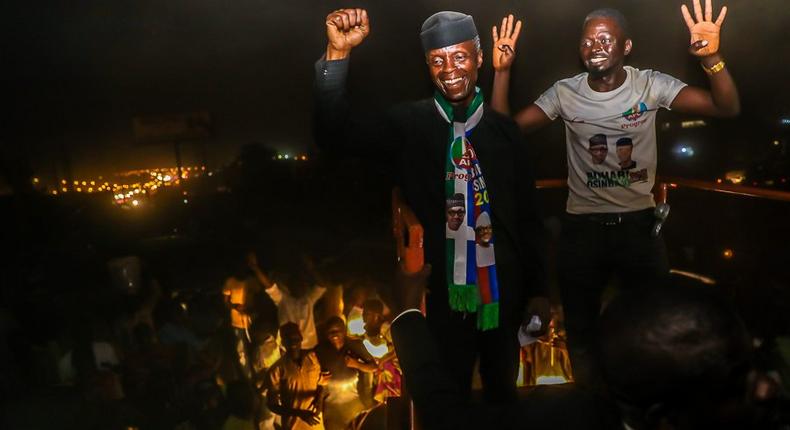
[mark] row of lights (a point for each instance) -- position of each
(290, 157)
(131, 192)
(158, 178)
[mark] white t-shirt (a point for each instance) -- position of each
(298, 310)
(610, 138)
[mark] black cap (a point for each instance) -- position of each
(598, 140)
(446, 29)
(624, 141)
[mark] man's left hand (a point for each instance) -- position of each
(704, 32)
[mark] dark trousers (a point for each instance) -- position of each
(461, 344)
(592, 249)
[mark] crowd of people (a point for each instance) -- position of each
(263, 361)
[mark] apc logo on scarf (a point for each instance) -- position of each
(462, 154)
(635, 112)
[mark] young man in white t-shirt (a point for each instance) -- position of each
(610, 206)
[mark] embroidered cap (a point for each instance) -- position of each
(446, 28)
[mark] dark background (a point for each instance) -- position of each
(76, 73)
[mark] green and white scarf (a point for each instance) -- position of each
(471, 267)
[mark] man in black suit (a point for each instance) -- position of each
(476, 305)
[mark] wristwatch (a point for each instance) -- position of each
(716, 68)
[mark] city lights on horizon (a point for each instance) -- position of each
(300, 157)
(130, 186)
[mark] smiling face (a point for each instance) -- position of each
(603, 46)
(453, 71)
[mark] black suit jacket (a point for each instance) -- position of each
(415, 136)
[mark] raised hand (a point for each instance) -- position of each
(505, 43)
(704, 32)
(345, 29)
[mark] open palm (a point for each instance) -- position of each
(704, 31)
(505, 43)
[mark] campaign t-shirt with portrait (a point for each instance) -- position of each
(610, 138)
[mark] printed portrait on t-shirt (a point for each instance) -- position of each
(598, 148)
(625, 147)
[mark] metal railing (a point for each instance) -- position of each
(665, 183)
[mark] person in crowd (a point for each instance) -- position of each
(295, 384)
(238, 292)
(93, 364)
(175, 329)
(266, 352)
(378, 342)
(296, 302)
(347, 361)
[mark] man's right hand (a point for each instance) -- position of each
(345, 29)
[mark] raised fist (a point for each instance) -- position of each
(345, 29)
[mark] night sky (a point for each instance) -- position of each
(78, 72)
